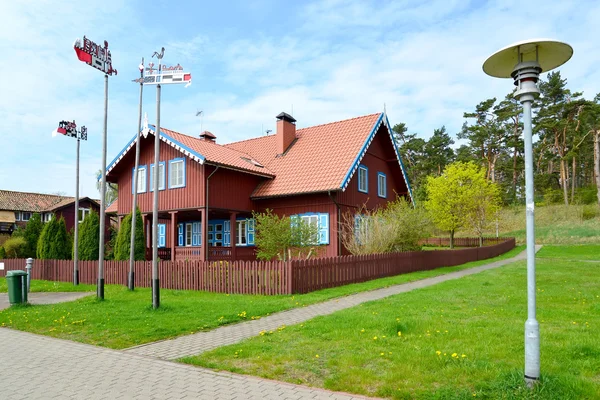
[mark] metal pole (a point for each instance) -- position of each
(28, 267)
(131, 280)
(76, 244)
(532, 328)
(100, 287)
(155, 281)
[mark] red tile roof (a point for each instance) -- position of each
(218, 154)
(34, 202)
(113, 207)
(318, 161)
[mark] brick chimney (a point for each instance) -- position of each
(208, 137)
(286, 131)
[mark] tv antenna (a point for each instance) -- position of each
(200, 113)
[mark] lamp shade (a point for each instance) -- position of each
(550, 54)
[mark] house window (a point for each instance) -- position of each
(17, 215)
(47, 217)
(320, 221)
(162, 235)
(363, 179)
(381, 185)
(177, 173)
(161, 176)
(83, 212)
(188, 234)
(241, 229)
(141, 179)
(25, 216)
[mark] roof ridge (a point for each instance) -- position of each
(308, 127)
(37, 193)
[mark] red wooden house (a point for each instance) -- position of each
(208, 191)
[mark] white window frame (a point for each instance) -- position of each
(381, 188)
(17, 215)
(162, 176)
(84, 213)
(48, 217)
(312, 220)
(23, 213)
(141, 182)
(363, 171)
(181, 162)
(241, 235)
(188, 234)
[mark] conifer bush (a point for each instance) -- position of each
(122, 245)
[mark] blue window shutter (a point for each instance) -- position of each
(196, 234)
(323, 228)
(162, 228)
(250, 231)
(180, 234)
(227, 233)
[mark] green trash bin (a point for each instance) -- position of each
(17, 286)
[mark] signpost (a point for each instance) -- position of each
(101, 59)
(160, 76)
(70, 129)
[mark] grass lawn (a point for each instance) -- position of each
(126, 319)
(583, 252)
(50, 286)
(456, 340)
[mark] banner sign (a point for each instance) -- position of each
(94, 55)
(68, 128)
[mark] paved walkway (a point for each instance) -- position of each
(36, 367)
(46, 298)
(203, 341)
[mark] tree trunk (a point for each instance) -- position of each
(452, 239)
(514, 180)
(573, 171)
(481, 239)
(597, 162)
(563, 178)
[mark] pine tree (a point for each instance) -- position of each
(44, 242)
(122, 246)
(60, 245)
(89, 237)
(32, 234)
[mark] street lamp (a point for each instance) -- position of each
(70, 129)
(524, 61)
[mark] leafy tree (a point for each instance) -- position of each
(2, 253)
(123, 243)
(281, 237)
(31, 234)
(485, 204)
(453, 197)
(89, 237)
(54, 242)
(15, 247)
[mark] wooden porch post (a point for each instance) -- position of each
(204, 244)
(119, 219)
(232, 234)
(173, 233)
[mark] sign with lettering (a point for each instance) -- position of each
(165, 75)
(94, 55)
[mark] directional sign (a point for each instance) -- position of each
(166, 75)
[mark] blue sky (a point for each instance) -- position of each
(250, 60)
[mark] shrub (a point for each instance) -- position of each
(590, 211)
(54, 243)
(89, 237)
(15, 247)
(399, 227)
(31, 234)
(123, 243)
(2, 253)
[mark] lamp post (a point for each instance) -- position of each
(70, 129)
(101, 59)
(524, 61)
(131, 277)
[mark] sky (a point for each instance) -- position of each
(320, 61)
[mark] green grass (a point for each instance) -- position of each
(482, 316)
(126, 319)
(50, 286)
(582, 252)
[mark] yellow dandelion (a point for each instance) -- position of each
(374, 337)
(399, 333)
(454, 355)
(464, 355)
(316, 356)
(381, 354)
(438, 352)
(362, 330)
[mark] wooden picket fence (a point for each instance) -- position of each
(262, 277)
